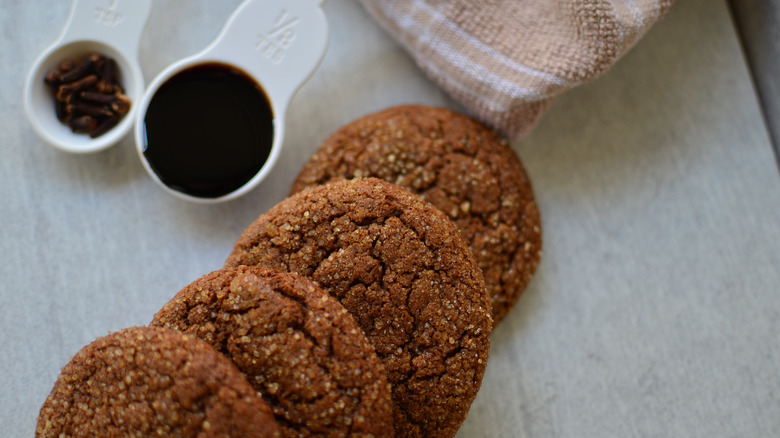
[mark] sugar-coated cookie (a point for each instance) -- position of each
(403, 271)
(148, 382)
(295, 344)
(458, 165)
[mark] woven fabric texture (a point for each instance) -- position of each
(504, 60)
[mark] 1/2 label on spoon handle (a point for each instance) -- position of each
(280, 42)
(274, 43)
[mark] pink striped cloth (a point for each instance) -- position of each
(504, 60)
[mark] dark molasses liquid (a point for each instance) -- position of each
(209, 130)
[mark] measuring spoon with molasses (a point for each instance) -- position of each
(211, 126)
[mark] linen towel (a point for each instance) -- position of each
(504, 60)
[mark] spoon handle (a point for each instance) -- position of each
(279, 42)
(118, 23)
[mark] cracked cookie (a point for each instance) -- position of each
(459, 166)
(153, 382)
(401, 268)
(295, 344)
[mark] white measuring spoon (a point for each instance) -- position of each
(109, 27)
(279, 44)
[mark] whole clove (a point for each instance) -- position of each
(66, 91)
(79, 72)
(121, 104)
(101, 98)
(89, 109)
(88, 96)
(85, 124)
(105, 126)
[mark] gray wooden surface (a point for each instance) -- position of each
(655, 311)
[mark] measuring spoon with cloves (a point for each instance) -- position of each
(90, 72)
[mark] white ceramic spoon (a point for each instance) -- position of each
(278, 43)
(109, 27)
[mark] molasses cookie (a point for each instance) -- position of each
(153, 382)
(401, 268)
(295, 344)
(458, 165)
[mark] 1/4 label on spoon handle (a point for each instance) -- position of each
(114, 22)
(109, 15)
